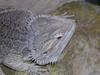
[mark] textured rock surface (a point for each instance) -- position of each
(1, 72)
(83, 57)
(37, 6)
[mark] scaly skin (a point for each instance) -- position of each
(41, 38)
(48, 45)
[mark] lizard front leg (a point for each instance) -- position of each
(16, 62)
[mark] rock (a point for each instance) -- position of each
(1, 72)
(83, 53)
(37, 6)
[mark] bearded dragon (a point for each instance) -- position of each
(38, 38)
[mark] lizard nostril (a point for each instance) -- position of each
(45, 52)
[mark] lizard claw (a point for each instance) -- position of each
(35, 69)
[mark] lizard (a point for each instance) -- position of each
(28, 37)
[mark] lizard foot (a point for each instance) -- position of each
(16, 62)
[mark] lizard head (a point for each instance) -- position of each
(53, 33)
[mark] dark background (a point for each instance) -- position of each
(97, 2)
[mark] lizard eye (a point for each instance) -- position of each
(59, 36)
